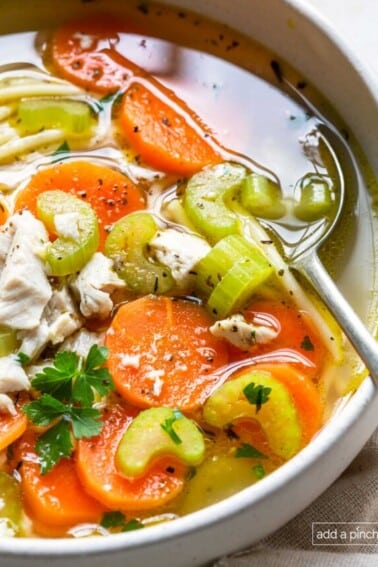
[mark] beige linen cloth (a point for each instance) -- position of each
(352, 498)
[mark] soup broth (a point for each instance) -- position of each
(215, 379)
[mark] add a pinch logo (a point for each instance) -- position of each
(345, 533)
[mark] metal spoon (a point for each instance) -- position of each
(301, 246)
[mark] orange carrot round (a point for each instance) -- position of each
(81, 52)
(56, 499)
(11, 427)
(110, 193)
(159, 126)
(161, 353)
(295, 334)
(96, 467)
(4, 213)
(163, 131)
(304, 393)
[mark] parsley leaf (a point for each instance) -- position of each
(167, 426)
(85, 422)
(22, 358)
(118, 520)
(257, 395)
(57, 380)
(248, 451)
(112, 519)
(110, 98)
(44, 410)
(67, 389)
(93, 377)
(67, 379)
(54, 445)
(132, 524)
(307, 344)
(259, 471)
(64, 148)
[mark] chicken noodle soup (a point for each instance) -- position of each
(157, 354)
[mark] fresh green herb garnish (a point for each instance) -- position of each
(23, 358)
(118, 520)
(249, 452)
(307, 344)
(54, 445)
(259, 471)
(168, 426)
(64, 148)
(67, 390)
(69, 379)
(257, 395)
(110, 98)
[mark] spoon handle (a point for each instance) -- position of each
(363, 342)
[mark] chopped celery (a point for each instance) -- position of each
(262, 197)
(8, 340)
(78, 231)
(277, 414)
(219, 477)
(73, 116)
(315, 200)
(211, 269)
(156, 432)
(205, 199)
(11, 507)
(238, 285)
(126, 245)
(175, 212)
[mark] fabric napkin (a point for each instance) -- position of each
(352, 498)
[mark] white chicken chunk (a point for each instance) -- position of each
(94, 285)
(6, 237)
(59, 320)
(13, 378)
(82, 341)
(24, 287)
(180, 252)
(7, 405)
(237, 331)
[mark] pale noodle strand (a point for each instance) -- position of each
(13, 92)
(30, 143)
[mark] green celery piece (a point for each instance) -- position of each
(67, 255)
(126, 245)
(147, 439)
(239, 284)
(278, 417)
(206, 196)
(315, 201)
(8, 340)
(262, 197)
(211, 269)
(73, 116)
(216, 479)
(11, 509)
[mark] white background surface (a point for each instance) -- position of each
(356, 21)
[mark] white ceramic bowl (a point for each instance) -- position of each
(312, 47)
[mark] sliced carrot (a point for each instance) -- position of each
(111, 194)
(160, 128)
(161, 353)
(4, 213)
(81, 52)
(164, 133)
(98, 472)
(57, 498)
(296, 335)
(304, 393)
(11, 427)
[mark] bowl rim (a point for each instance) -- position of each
(324, 442)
